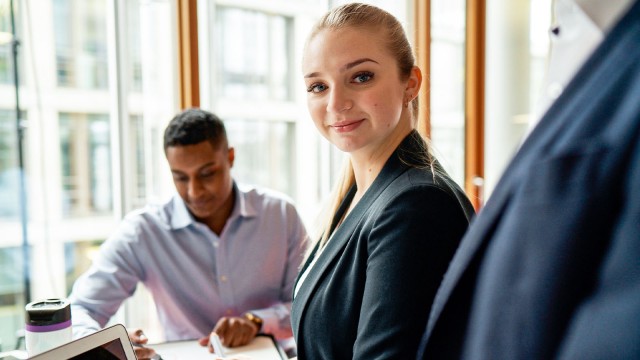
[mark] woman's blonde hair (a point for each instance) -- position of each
(360, 15)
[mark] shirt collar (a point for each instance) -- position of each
(243, 208)
(604, 14)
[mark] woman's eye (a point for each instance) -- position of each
(316, 88)
(363, 77)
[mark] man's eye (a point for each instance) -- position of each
(316, 88)
(363, 77)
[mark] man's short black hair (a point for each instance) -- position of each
(193, 126)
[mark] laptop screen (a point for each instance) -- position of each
(110, 351)
(111, 343)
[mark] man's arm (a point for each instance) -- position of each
(277, 318)
(98, 293)
(274, 320)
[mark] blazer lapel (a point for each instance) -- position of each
(341, 235)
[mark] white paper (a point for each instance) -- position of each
(261, 348)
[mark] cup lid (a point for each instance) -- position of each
(47, 312)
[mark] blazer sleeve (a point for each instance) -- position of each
(412, 240)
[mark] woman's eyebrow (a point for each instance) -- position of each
(345, 67)
(356, 63)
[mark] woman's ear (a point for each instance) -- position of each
(413, 84)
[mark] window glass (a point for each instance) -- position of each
(71, 154)
(78, 256)
(264, 152)
(11, 294)
(80, 43)
(134, 58)
(138, 138)
(9, 175)
(447, 83)
(255, 51)
(6, 75)
(515, 66)
(86, 170)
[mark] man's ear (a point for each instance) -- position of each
(413, 84)
(231, 153)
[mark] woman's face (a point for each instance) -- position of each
(354, 91)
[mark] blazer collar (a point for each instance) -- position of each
(393, 168)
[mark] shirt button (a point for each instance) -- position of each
(223, 278)
(229, 311)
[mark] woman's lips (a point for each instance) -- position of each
(346, 126)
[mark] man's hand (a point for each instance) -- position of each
(233, 331)
(138, 339)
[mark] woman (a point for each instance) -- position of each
(366, 288)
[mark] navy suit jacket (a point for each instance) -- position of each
(550, 268)
(364, 298)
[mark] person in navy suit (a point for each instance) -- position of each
(398, 217)
(550, 267)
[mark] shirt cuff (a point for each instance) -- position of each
(276, 320)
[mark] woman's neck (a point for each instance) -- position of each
(368, 164)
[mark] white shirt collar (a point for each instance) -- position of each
(604, 13)
(579, 27)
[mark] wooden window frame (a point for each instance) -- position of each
(188, 54)
(474, 88)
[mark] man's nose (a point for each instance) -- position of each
(195, 188)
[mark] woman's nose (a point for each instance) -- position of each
(339, 101)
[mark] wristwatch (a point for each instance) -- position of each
(254, 319)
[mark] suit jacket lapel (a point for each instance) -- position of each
(341, 236)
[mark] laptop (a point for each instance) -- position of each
(111, 343)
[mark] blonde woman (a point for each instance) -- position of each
(366, 288)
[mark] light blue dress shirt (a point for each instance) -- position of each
(195, 276)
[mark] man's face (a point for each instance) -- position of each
(202, 175)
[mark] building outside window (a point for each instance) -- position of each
(253, 68)
(81, 43)
(85, 158)
(82, 175)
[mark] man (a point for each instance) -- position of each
(217, 256)
(550, 268)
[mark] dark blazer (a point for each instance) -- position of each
(364, 298)
(550, 268)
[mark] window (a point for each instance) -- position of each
(6, 75)
(93, 148)
(9, 176)
(255, 56)
(516, 60)
(81, 43)
(86, 170)
(447, 84)
(139, 181)
(272, 148)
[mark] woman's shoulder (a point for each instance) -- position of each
(428, 184)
